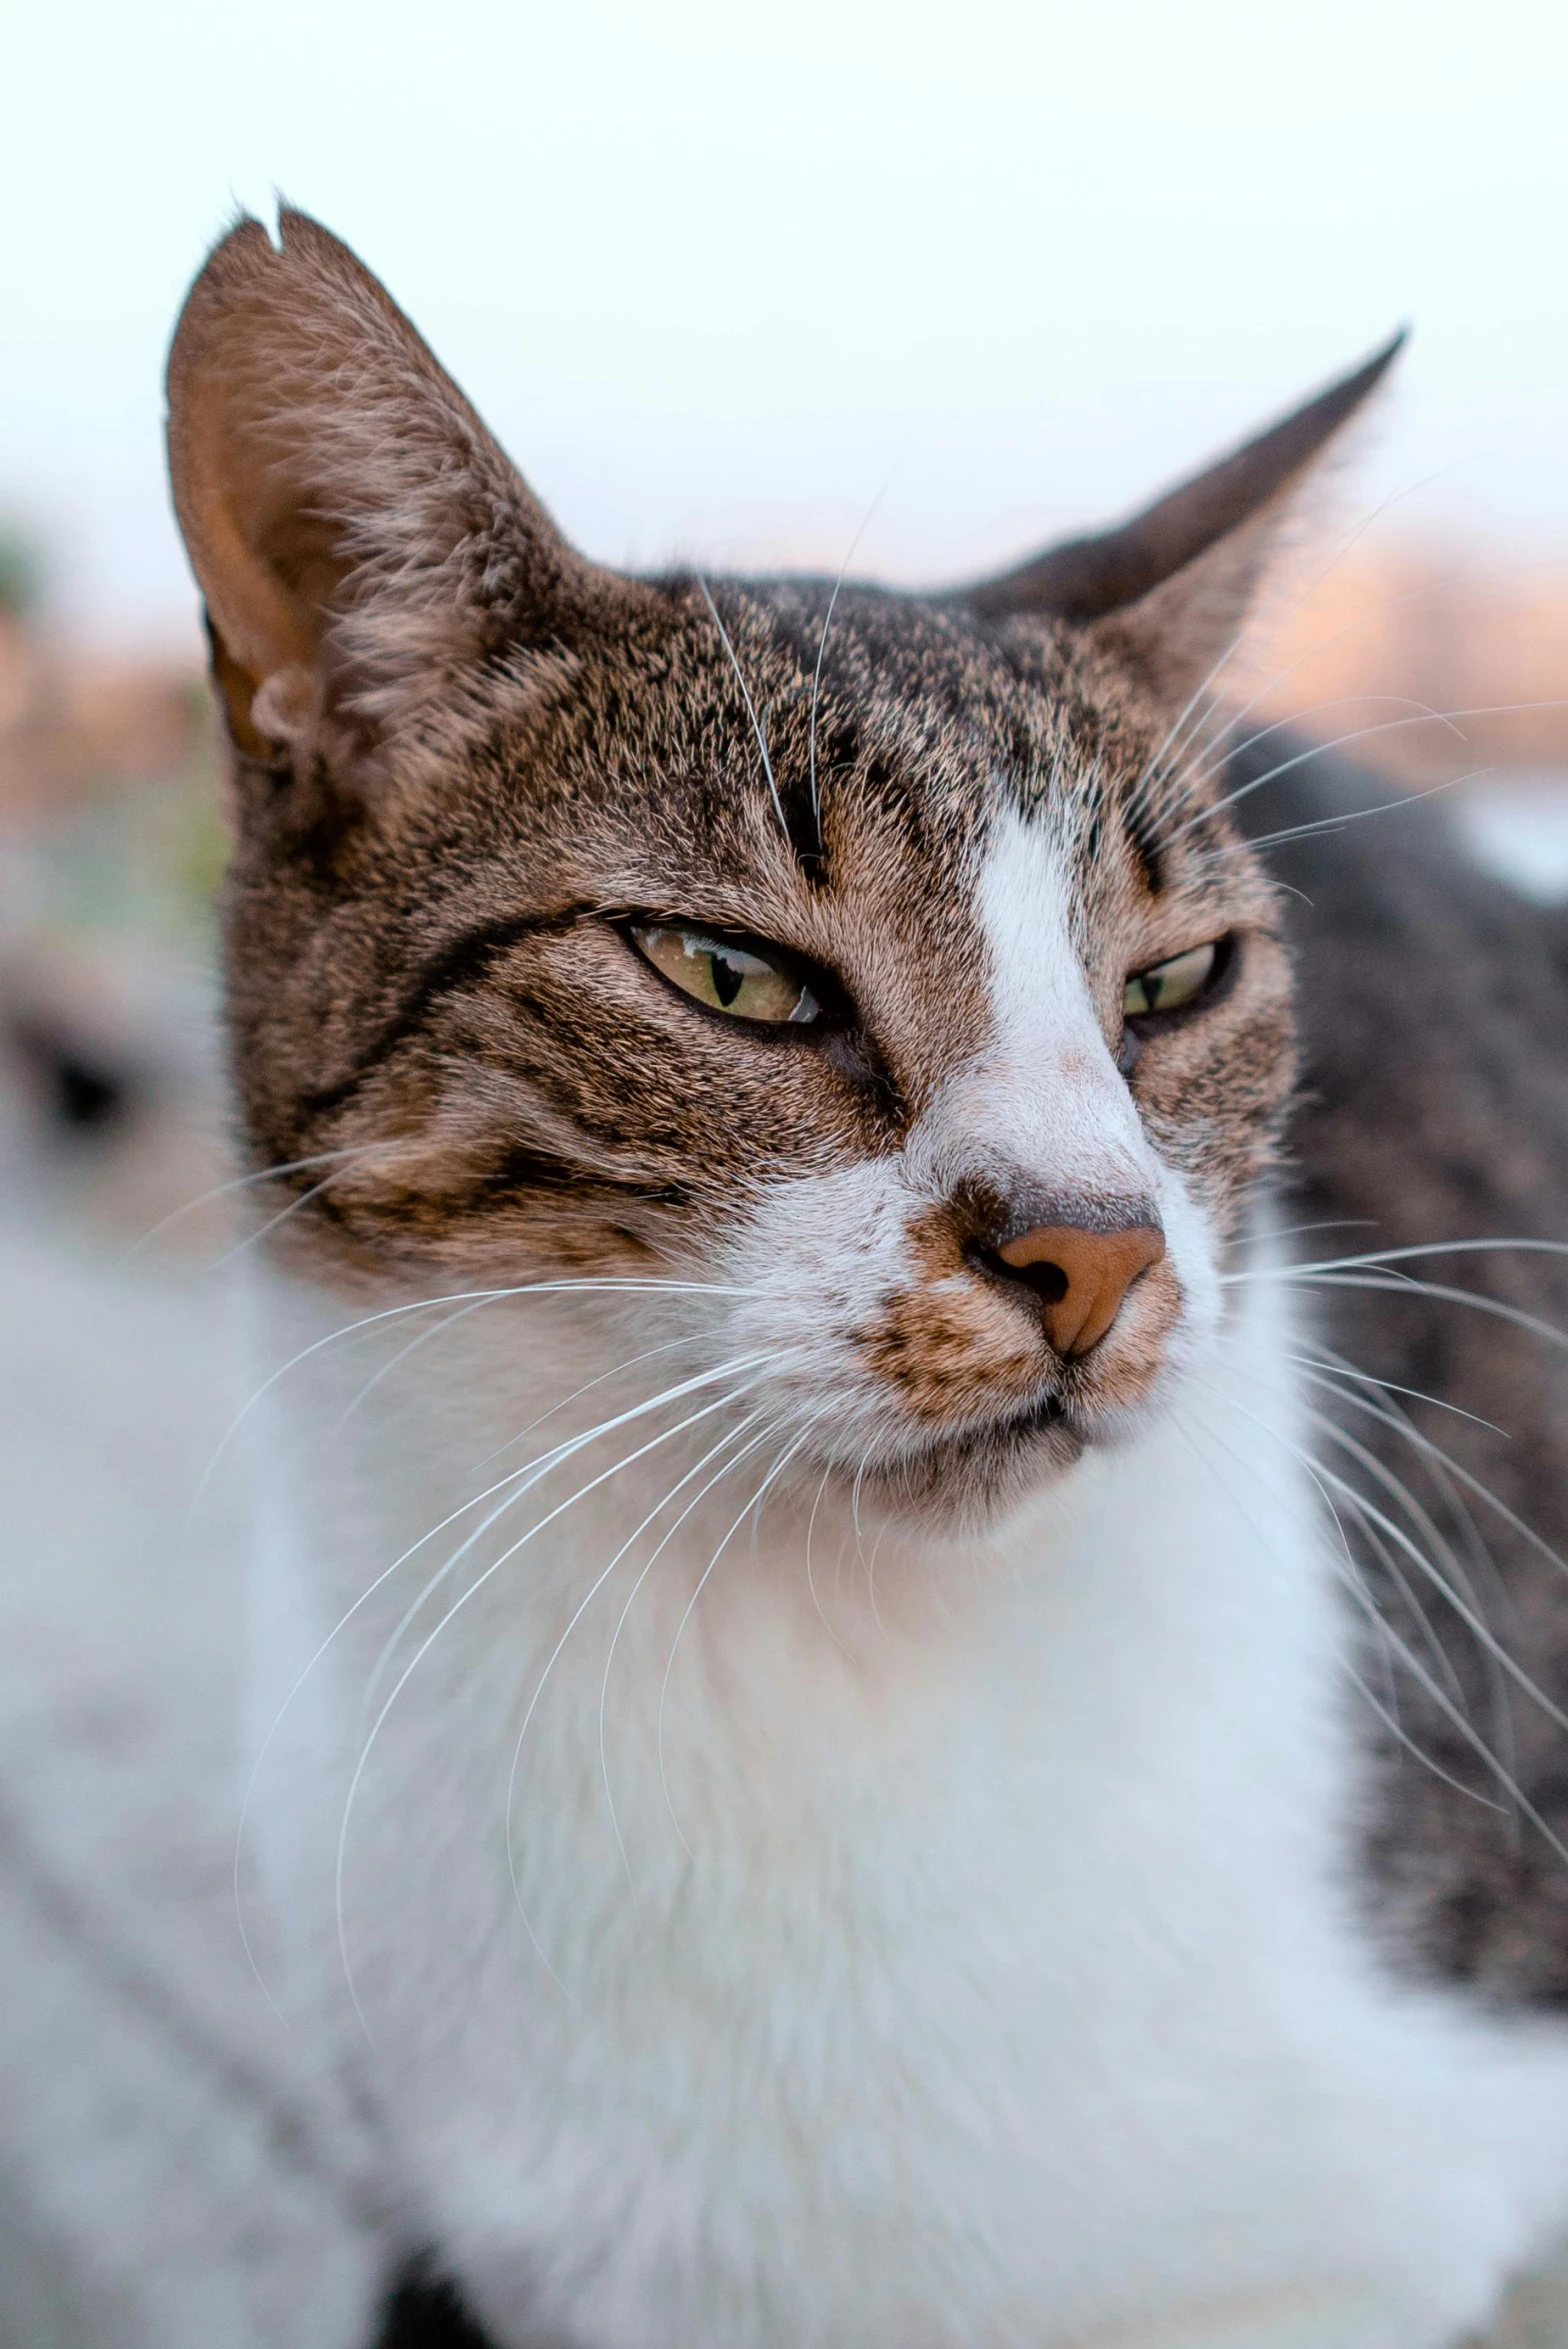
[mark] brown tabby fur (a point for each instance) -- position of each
(1434, 1005)
(466, 761)
(463, 755)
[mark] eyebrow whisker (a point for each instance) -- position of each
(751, 711)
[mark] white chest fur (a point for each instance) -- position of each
(950, 1952)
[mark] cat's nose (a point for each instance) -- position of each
(1079, 1276)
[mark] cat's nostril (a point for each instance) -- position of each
(1080, 1277)
(1048, 1281)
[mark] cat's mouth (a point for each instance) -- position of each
(977, 1470)
(1018, 1427)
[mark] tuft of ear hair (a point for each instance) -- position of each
(1170, 589)
(360, 539)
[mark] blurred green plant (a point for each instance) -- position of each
(138, 862)
(21, 572)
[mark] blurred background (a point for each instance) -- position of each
(920, 286)
(912, 286)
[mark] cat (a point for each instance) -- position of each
(820, 1769)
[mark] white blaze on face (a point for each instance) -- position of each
(1042, 1102)
(1039, 1108)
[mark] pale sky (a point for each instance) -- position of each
(726, 278)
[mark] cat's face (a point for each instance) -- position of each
(886, 970)
(509, 987)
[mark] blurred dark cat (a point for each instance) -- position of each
(816, 1774)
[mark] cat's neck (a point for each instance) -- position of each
(1016, 1801)
(653, 1599)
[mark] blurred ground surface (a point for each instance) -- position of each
(171, 2174)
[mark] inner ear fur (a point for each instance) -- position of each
(1169, 590)
(360, 539)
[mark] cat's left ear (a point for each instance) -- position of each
(1170, 589)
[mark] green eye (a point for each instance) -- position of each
(1169, 985)
(727, 977)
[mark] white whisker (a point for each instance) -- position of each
(461, 1601)
(1300, 595)
(1355, 815)
(588, 1287)
(1441, 1467)
(1333, 1363)
(822, 646)
(745, 694)
(1445, 1704)
(1324, 643)
(1443, 1555)
(1416, 712)
(602, 1378)
(534, 1472)
(779, 1465)
(1341, 741)
(518, 1482)
(245, 1182)
(1376, 1258)
(283, 1215)
(401, 1356)
(1444, 1472)
(860, 1547)
(730, 1436)
(1403, 1285)
(811, 1527)
(727, 1469)
(1394, 1649)
(1472, 1484)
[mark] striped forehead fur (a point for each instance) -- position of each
(441, 977)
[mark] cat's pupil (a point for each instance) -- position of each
(727, 979)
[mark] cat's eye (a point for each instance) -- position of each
(1170, 985)
(726, 977)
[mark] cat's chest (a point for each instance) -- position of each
(998, 2048)
(1115, 1782)
(987, 1993)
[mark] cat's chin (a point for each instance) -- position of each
(965, 1483)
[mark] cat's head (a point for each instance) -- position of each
(884, 965)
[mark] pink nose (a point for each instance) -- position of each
(1081, 1277)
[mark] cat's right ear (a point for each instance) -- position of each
(1169, 590)
(361, 541)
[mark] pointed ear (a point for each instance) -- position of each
(359, 538)
(1170, 589)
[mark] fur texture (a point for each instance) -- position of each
(818, 1814)
(1435, 1114)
